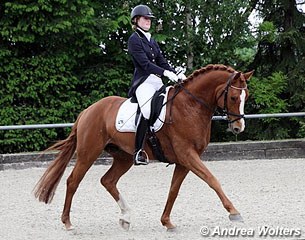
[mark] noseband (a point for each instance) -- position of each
(224, 110)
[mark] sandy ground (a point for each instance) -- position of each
(268, 193)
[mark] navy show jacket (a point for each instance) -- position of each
(147, 59)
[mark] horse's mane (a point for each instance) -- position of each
(208, 68)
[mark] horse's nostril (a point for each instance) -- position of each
(236, 130)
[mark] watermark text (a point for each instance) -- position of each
(262, 231)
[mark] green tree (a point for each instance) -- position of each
(41, 45)
(56, 58)
(196, 33)
(281, 48)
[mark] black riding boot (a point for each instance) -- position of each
(140, 156)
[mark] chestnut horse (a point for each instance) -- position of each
(183, 137)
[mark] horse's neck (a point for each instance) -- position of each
(192, 105)
(192, 118)
(204, 89)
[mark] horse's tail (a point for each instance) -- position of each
(46, 186)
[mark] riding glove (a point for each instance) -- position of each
(171, 75)
(181, 76)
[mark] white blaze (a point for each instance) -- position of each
(241, 108)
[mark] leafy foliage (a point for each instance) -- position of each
(281, 49)
(49, 68)
(196, 33)
(267, 92)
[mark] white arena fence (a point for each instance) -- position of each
(64, 125)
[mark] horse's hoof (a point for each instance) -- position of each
(69, 228)
(124, 224)
(236, 218)
(68, 225)
(172, 230)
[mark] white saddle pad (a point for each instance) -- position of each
(125, 120)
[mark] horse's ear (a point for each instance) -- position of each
(237, 75)
(248, 75)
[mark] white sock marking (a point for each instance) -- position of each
(123, 205)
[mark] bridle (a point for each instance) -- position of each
(224, 110)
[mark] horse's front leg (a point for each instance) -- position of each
(179, 174)
(196, 166)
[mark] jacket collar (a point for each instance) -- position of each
(143, 35)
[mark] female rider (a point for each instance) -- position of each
(150, 65)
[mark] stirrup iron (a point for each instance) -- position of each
(141, 154)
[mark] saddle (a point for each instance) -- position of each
(129, 113)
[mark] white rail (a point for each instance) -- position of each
(63, 125)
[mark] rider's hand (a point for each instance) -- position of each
(171, 75)
(181, 76)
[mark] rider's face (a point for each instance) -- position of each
(144, 23)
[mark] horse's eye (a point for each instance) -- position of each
(234, 98)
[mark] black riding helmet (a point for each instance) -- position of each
(141, 10)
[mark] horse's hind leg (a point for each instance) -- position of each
(122, 162)
(83, 163)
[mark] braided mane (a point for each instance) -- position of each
(208, 68)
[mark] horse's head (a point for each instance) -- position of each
(219, 86)
(231, 99)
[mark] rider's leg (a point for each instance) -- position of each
(140, 157)
(144, 94)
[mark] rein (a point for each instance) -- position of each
(224, 110)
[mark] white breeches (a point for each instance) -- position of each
(146, 91)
